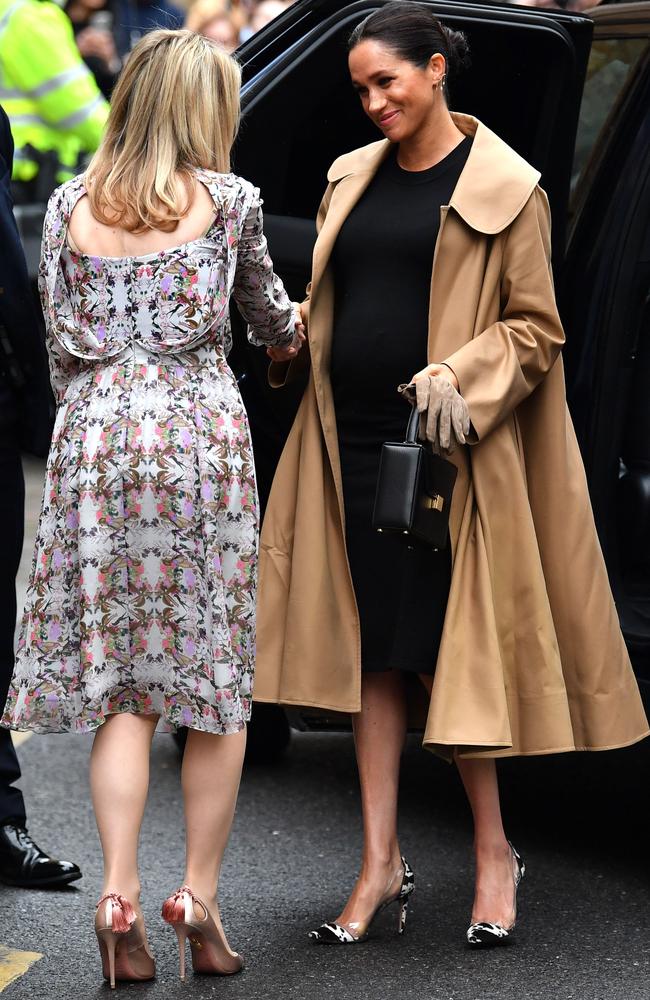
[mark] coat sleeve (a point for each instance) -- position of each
(282, 373)
(258, 291)
(503, 364)
(63, 365)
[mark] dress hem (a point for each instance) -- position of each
(91, 726)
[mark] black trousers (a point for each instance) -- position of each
(12, 514)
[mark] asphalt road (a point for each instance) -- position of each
(584, 929)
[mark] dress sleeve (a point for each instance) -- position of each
(281, 373)
(259, 293)
(501, 366)
(63, 365)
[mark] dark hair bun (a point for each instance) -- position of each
(458, 46)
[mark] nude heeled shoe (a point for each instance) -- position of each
(210, 952)
(122, 941)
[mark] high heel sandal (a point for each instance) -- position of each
(333, 933)
(122, 941)
(210, 952)
(486, 935)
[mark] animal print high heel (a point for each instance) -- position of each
(210, 951)
(333, 933)
(486, 935)
(122, 941)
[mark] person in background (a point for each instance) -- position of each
(92, 23)
(24, 420)
(214, 20)
(135, 18)
(573, 6)
(264, 12)
(55, 108)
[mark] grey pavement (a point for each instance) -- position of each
(584, 917)
(581, 822)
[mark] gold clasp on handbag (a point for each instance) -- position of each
(435, 503)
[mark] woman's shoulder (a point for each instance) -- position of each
(66, 191)
(496, 183)
(236, 190)
(60, 204)
(362, 158)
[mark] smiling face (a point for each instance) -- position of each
(398, 96)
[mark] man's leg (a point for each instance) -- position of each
(22, 862)
(12, 502)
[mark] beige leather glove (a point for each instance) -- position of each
(447, 417)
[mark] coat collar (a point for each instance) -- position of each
(494, 186)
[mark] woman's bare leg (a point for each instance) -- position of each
(379, 734)
(211, 773)
(494, 891)
(119, 781)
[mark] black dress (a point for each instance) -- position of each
(382, 263)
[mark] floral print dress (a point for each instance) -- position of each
(142, 591)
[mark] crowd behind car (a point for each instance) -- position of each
(105, 30)
(59, 62)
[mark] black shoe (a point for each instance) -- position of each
(23, 863)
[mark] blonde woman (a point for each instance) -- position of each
(141, 604)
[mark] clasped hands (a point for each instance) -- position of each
(289, 352)
(434, 391)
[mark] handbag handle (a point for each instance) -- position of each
(413, 427)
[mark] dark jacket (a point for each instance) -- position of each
(134, 18)
(25, 398)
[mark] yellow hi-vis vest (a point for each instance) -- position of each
(48, 92)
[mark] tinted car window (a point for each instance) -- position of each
(612, 63)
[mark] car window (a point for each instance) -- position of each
(612, 62)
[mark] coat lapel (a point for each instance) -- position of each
(350, 184)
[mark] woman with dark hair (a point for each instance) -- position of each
(433, 265)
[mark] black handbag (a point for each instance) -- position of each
(414, 490)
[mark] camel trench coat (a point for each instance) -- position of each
(532, 659)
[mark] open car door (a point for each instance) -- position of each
(300, 112)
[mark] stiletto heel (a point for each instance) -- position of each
(122, 941)
(210, 952)
(107, 942)
(486, 935)
(403, 913)
(334, 933)
(181, 936)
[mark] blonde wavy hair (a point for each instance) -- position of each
(175, 107)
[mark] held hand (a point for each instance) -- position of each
(447, 416)
(289, 352)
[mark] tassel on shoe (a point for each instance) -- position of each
(122, 913)
(173, 909)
